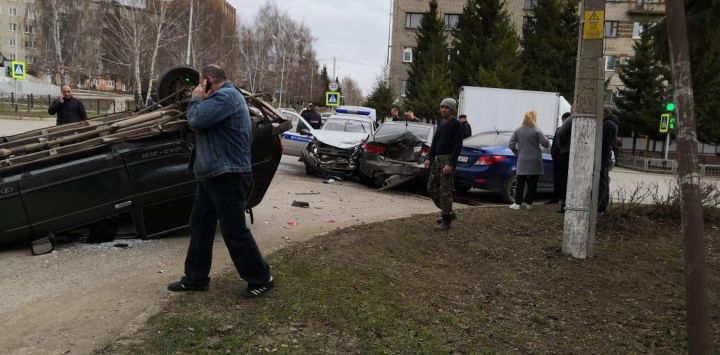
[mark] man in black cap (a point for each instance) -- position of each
(442, 159)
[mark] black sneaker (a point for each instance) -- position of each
(255, 290)
(179, 286)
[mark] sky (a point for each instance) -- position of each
(354, 32)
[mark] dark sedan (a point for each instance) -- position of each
(396, 153)
(133, 165)
(486, 162)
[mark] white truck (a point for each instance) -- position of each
(492, 109)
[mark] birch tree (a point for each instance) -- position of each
(128, 27)
(162, 15)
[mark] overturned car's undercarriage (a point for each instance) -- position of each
(89, 174)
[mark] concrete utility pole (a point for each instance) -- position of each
(584, 171)
(189, 44)
(696, 298)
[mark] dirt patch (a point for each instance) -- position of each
(497, 282)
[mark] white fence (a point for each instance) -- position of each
(663, 166)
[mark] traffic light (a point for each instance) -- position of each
(670, 112)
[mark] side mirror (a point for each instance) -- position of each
(305, 132)
(43, 245)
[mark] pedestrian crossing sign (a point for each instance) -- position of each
(18, 70)
(332, 98)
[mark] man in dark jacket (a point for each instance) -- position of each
(312, 116)
(557, 171)
(442, 159)
(609, 133)
(560, 152)
(68, 108)
(466, 129)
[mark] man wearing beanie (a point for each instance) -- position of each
(444, 151)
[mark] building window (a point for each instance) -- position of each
(403, 88)
(528, 23)
(111, 84)
(407, 55)
(30, 29)
(610, 96)
(611, 28)
(95, 82)
(30, 59)
(12, 11)
(529, 4)
(637, 30)
(30, 43)
(451, 21)
(13, 27)
(29, 14)
(12, 42)
(12, 56)
(609, 63)
(412, 19)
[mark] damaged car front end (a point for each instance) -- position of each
(396, 154)
(335, 148)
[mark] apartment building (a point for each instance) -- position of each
(18, 30)
(406, 17)
(623, 25)
(624, 21)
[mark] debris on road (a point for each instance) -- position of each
(302, 204)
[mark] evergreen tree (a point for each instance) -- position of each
(324, 82)
(485, 47)
(640, 102)
(381, 98)
(703, 26)
(428, 79)
(550, 47)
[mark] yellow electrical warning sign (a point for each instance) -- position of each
(594, 25)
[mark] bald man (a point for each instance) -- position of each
(68, 108)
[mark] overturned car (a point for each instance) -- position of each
(92, 174)
(335, 147)
(396, 154)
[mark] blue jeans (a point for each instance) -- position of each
(223, 198)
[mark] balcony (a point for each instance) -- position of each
(647, 8)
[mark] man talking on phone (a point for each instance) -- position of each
(68, 108)
(219, 114)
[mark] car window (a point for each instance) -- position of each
(422, 132)
(487, 139)
(342, 125)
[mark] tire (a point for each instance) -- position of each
(175, 79)
(462, 188)
(508, 193)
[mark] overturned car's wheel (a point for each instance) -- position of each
(176, 79)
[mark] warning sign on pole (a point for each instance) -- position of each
(594, 25)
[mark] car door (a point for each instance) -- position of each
(162, 188)
(296, 139)
(76, 192)
(14, 224)
(545, 182)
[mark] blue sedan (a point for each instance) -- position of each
(487, 163)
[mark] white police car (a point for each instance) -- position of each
(296, 139)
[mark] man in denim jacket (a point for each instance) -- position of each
(222, 166)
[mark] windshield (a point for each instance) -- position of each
(487, 139)
(342, 125)
(422, 132)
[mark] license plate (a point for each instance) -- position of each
(462, 159)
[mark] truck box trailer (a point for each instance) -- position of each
(492, 109)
